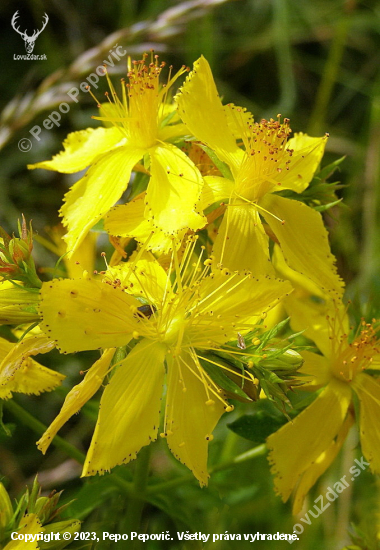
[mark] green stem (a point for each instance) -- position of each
(329, 77)
(163, 487)
(137, 496)
(38, 427)
(34, 280)
(260, 450)
(370, 261)
(228, 448)
(282, 46)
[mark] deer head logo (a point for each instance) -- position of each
(29, 40)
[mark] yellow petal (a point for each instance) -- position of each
(19, 373)
(145, 278)
(240, 296)
(317, 369)
(6, 508)
(239, 120)
(129, 409)
(202, 111)
(173, 196)
(172, 132)
(368, 392)
(320, 465)
(167, 112)
(232, 301)
(216, 189)
(107, 112)
(29, 525)
(150, 280)
(80, 150)
(375, 363)
(189, 420)
(304, 241)
(92, 196)
(242, 244)
(77, 397)
(298, 444)
(128, 220)
(308, 313)
(311, 309)
(298, 281)
(83, 259)
(86, 314)
(31, 378)
(308, 152)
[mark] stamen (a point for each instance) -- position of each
(103, 254)
(223, 367)
(88, 88)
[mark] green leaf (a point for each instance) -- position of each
(269, 334)
(221, 379)
(27, 288)
(373, 372)
(325, 207)
(57, 264)
(242, 495)
(31, 327)
(221, 166)
(328, 170)
(92, 495)
(257, 426)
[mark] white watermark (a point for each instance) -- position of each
(144, 537)
(54, 119)
(29, 40)
(28, 537)
(332, 493)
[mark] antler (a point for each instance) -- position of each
(45, 22)
(13, 23)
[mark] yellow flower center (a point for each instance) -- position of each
(174, 330)
(144, 102)
(354, 357)
(266, 157)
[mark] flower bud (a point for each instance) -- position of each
(68, 526)
(17, 306)
(285, 364)
(43, 509)
(16, 262)
(292, 357)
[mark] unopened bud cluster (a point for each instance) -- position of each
(37, 511)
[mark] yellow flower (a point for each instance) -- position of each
(173, 321)
(316, 435)
(139, 127)
(20, 373)
(268, 163)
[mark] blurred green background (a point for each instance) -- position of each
(316, 62)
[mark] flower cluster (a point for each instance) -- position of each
(214, 237)
(33, 519)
